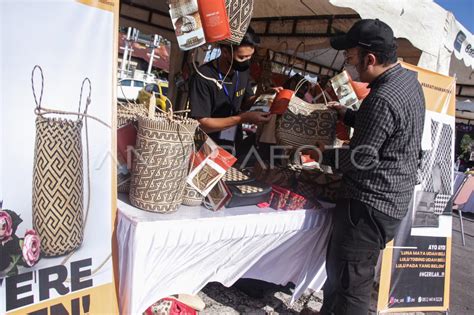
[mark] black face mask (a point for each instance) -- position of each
(241, 65)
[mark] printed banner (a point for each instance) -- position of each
(415, 271)
(56, 159)
(461, 42)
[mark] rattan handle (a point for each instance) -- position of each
(88, 101)
(293, 57)
(38, 103)
(281, 43)
(324, 94)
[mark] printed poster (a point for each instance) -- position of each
(415, 273)
(56, 157)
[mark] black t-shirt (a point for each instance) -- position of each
(207, 100)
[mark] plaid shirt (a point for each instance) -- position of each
(386, 143)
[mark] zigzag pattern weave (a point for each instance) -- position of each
(306, 124)
(192, 197)
(58, 185)
(240, 14)
(160, 163)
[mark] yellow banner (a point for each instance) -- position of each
(100, 4)
(439, 90)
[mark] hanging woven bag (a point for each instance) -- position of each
(239, 13)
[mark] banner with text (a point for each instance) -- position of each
(57, 200)
(415, 271)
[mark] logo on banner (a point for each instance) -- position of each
(460, 38)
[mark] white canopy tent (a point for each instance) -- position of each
(465, 112)
(428, 35)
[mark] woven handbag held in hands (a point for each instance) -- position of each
(306, 124)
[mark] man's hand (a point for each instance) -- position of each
(255, 117)
(317, 153)
(341, 109)
(273, 90)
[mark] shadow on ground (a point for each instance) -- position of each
(276, 299)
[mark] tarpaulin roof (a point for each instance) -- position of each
(428, 34)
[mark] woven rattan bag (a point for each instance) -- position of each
(58, 193)
(127, 116)
(239, 13)
(161, 162)
(192, 197)
(306, 124)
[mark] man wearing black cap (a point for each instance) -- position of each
(379, 167)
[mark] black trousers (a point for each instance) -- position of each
(359, 233)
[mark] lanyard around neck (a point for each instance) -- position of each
(236, 87)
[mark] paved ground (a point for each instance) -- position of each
(222, 300)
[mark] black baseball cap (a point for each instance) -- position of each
(373, 35)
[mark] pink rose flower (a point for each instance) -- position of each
(6, 225)
(31, 247)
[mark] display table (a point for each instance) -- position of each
(164, 254)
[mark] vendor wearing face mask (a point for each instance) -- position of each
(220, 110)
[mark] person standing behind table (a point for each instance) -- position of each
(219, 110)
(378, 181)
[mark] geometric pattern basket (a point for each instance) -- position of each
(192, 197)
(58, 185)
(306, 124)
(239, 13)
(161, 162)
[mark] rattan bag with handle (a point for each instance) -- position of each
(127, 119)
(304, 123)
(58, 192)
(161, 161)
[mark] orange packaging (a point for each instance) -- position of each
(214, 20)
(281, 101)
(361, 89)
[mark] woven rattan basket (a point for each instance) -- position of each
(161, 162)
(306, 124)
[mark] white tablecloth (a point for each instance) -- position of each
(164, 254)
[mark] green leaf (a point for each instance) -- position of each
(15, 259)
(466, 143)
(13, 271)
